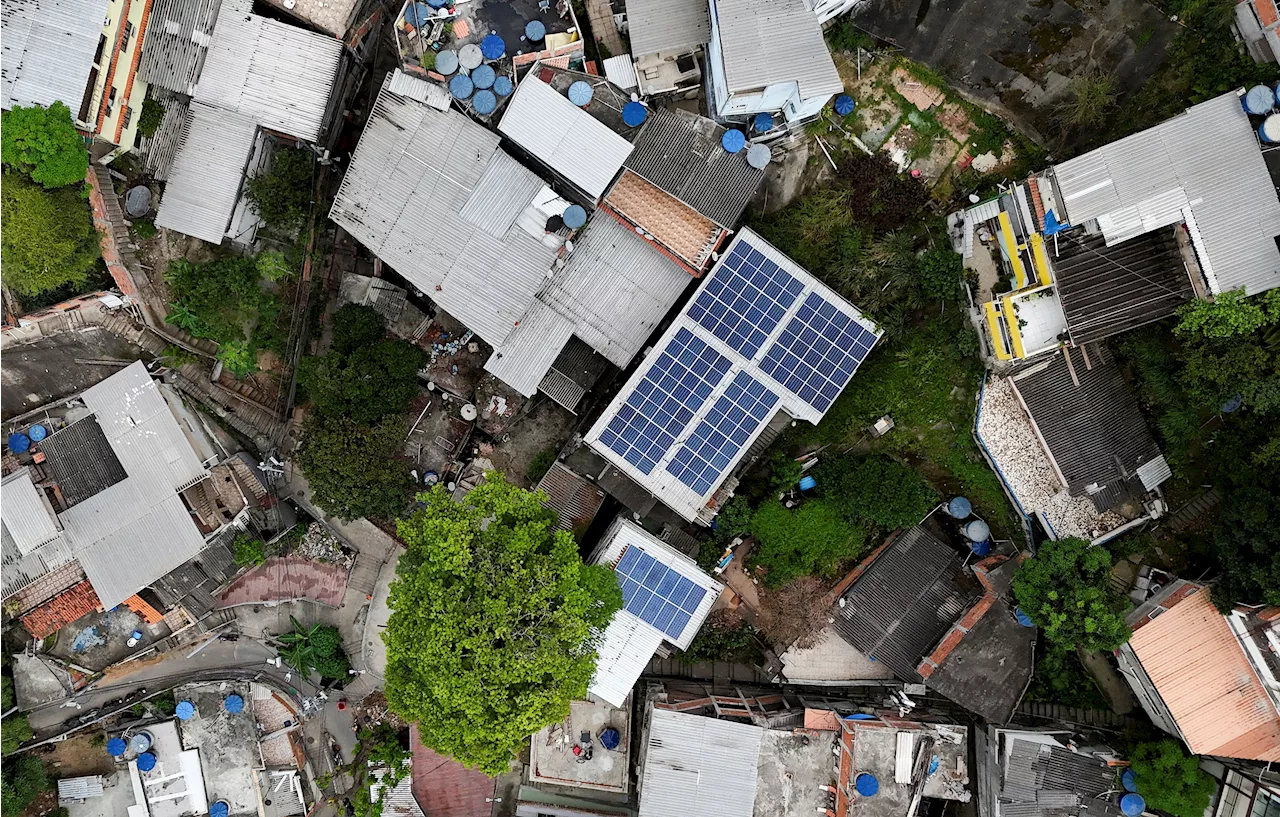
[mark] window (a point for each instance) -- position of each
(128, 116)
(111, 101)
(1266, 804)
(102, 44)
(124, 40)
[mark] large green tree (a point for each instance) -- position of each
(1170, 780)
(490, 635)
(813, 538)
(24, 779)
(355, 470)
(282, 195)
(1064, 589)
(878, 490)
(43, 144)
(356, 326)
(47, 237)
(370, 383)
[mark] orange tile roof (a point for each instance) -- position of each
(148, 613)
(1201, 671)
(823, 720)
(1266, 12)
(61, 610)
(688, 234)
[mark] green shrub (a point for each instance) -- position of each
(152, 117)
(812, 539)
(24, 780)
(144, 229)
(165, 704)
(47, 238)
(14, 732)
(1170, 780)
(725, 637)
(540, 465)
(1065, 589)
(356, 326)
(369, 384)
(249, 550)
(282, 195)
(875, 490)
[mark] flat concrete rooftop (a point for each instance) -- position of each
(876, 745)
(552, 759)
(793, 765)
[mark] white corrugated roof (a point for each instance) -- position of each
(662, 482)
(531, 349)
(621, 71)
(206, 174)
(769, 42)
(670, 26)
(31, 544)
(420, 90)
(569, 140)
(1209, 155)
(47, 50)
(413, 175)
(277, 74)
(137, 530)
(628, 643)
(696, 766)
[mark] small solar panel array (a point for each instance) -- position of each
(818, 351)
(746, 298)
(723, 433)
(655, 593)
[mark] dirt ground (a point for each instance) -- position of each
(81, 755)
(545, 428)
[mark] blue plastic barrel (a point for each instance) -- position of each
(1133, 804)
(185, 710)
(808, 483)
(844, 105)
(483, 77)
(461, 87)
(484, 102)
(116, 747)
(634, 114)
(866, 784)
(733, 140)
(37, 433)
(502, 86)
(146, 762)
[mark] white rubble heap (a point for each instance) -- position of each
(1006, 431)
(322, 546)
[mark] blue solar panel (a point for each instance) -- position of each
(719, 439)
(655, 593)
(746, 298)
(818, 352)
(665, 401)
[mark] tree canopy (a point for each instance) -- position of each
(354, 469)
(1170, 780)
(318, 647)
(282, 195)
(1064, 589)
(47, 238)
(878, 490)
(492, 615)
(813, 538)
(24, 779)
(370, 383)
(356, 326)
(43, 144)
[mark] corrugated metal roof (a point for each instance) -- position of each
(46, 50)
(177, 40)
(1095, 431)
(680, 152)
(79, 788)
(671, 26)
(1109, 290)
(628, 643)
(420, 90)
(162, 147)
(277, 74)
(502, 194)
(900, 607)
(1211, 153)
(27, 518)
(206, 173)
(81, 460)
(699, 767)
(137, 530)
(570, 141)
(1044, 779)
(530, 350)
(408, 182)
(1203, 676)
(574, 499)
(769, 42)
(621, 71)
(616, 288)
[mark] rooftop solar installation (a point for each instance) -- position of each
(818, 351)
(665, 401)
(718, 440)
(655, 593)
(746, 298)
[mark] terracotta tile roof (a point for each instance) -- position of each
(61, 610)
(688, 234)
(445, 788)
(149, 614)
(1266, 12)
(1201, 672)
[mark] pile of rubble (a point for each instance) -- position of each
(320, 545)
(1007, 433)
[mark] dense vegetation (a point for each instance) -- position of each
(350, 448)
(24, 779)
(1170, 780)
(42, 144)
(282, 195)
(318, 648)
(47, 237)
(492, 615)
(1064, 589)
(811, 539)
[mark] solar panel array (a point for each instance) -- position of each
(818, 352)
(655, 593)
(722, 435)
(745, 299)
(663, 403)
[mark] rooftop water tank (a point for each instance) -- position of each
(233, 704)
(844, 105)
(759, 156)
(762, 123)
(417, 14)
(19, 442)
(610, 739)
(580, 93)
(37, 433)
(140, 742)
(1133, 804)
(534, 31)
(116, 747)
(574, 216)
(959, 508)
(492, 47)
(1259, 100)
(484, 102)
(733, 140)
(483, 77)
(1129, 780)
(185, 710)
(1269, 130)
(634, 114)
(446, 62)
(502, 86)
(460, 86)
(220, 808)
(470, 56)
(866, 784)
(146, 762)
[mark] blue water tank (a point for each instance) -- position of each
(844, 105)
(1259, 100)
(859, 716)
(610, 738)
(483, 77)
(484, 102)
(185, 710)
(233, 704)
(580, 93)
(1133, 804)
(446, 62)
(866, 784)
(1233, 404)
(977, 531)
(116, 747)
(534, 31)
(634, 114)
(19, 442)
(502, 86)
(146, 762)
(37, 433)
(959, 508)
(762, 123)
(1023, 618)
(808, 483)
(574, 216)
(219, 809)
(1269, 130)
(1129, 780)
(437, 4)
(493, 47)
(417, 15)
(982, 548)
(461, 86)
(733, 140)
